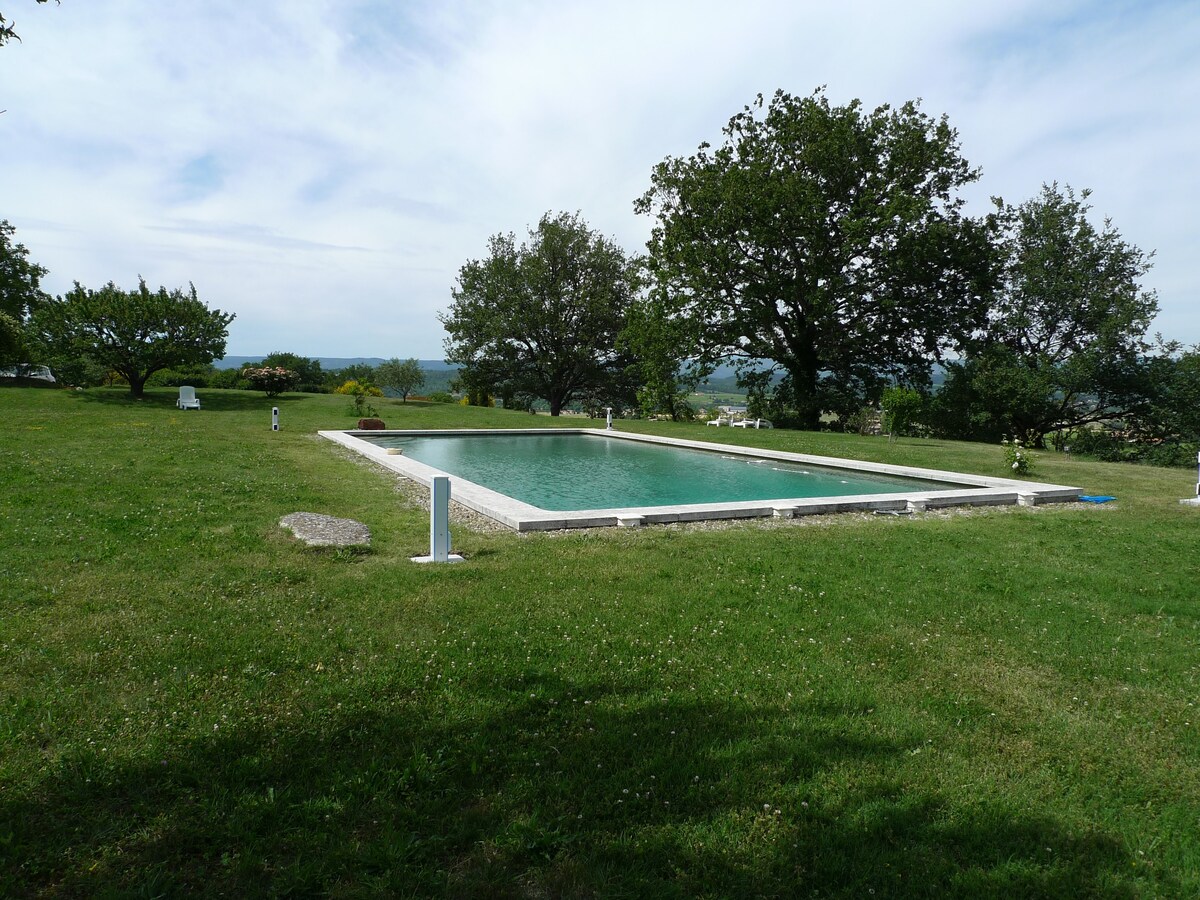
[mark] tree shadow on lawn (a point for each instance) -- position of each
(165, 398)
(536, 792)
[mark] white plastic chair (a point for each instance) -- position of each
(187, 398)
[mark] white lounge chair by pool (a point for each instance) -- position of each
(187, 398)
(721, 420)
(753, 423)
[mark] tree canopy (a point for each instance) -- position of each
(20, 295)
(8, 29)
(1064, 344)
(825, 239)
(403, 377)
(135, 333)
(541, 318)
(308, 371)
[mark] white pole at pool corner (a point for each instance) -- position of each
(439, 523)
(608, 410)
(274, 418)
(1195, 501)
(439, 518)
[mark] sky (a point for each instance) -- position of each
(324, 168)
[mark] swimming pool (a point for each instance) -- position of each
(539, 479)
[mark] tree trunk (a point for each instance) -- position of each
(804, 398)
(137, 385)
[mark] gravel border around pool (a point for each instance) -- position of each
(980, 491)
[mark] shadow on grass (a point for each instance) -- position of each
(164, 398)
(537, 792)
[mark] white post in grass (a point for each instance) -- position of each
(439, 523)
(439, 518)
(274, 418)
(608, 425)
(1195, 501)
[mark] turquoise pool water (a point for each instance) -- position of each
(574, 471)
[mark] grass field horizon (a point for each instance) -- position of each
(999, 702)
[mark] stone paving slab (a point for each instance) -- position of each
(319, 530)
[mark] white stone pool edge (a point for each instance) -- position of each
(980, 491)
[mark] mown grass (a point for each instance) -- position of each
(1000, 703)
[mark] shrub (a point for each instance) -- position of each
(901, 407)
(359, 391)
(196, 377)
(228, 379)
(1018, 459)
(866, 421)
(440, 397)
(274, 380)
(1107, 445)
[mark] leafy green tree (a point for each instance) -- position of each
(826, 239)
(135, 333)
(20, 296)
(542, 317)
(7, 29)
(901, 406)
(10, 338)
(402, 377)
(1172, 389)
(361, 372)
(1065, 342)
(662, 343)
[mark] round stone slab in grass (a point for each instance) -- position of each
(318, 530)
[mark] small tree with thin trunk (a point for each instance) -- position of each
(401, 377)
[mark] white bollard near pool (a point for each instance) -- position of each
(608, 425)
(439, 523)
(274, 418)
(1195, 501)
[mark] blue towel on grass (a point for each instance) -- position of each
(1086, 498)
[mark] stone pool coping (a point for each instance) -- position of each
(979, 490)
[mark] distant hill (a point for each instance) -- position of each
(333, 363)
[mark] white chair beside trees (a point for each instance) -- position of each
(187, 398)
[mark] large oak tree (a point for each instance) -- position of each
(541, 318)
(825, 239)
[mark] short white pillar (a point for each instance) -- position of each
(439, 523)
(1026, 499)
(274, 418)
(608, 420)
(439, 518)
(917, 505)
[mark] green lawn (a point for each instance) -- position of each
(1001, 703)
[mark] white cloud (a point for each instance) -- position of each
(323, 169)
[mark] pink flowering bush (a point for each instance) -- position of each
(274, 380)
